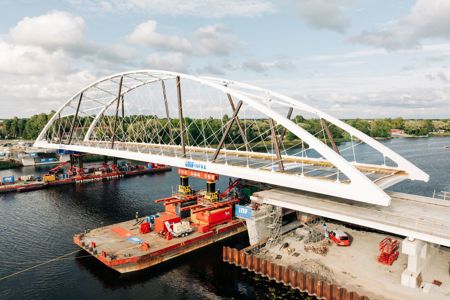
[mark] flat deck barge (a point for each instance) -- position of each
(191, 220)
(123, 248)
(25, 186)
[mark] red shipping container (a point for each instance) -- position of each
(163, 217)
(216, 216)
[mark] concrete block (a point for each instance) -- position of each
(411, 279)
(426, 287)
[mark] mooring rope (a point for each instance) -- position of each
(38, 265)
(7, 262)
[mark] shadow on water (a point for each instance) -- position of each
(197, 262)
(202, 267)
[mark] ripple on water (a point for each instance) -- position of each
(39, 225)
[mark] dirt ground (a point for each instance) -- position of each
(356, 267)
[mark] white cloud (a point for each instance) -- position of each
(211, 69)
(264, 66)
(173, 61)
(44, 59)
(427, 19)
(118, 52)
(214, 39)
(405, 94)
(39, 93)
(31, 60)
(146, 34)
(54, 29)
(208, 40)
(324, 14)
(199, 8)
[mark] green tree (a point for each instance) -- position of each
(416, 127)
(380, 128)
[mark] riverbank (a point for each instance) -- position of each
(9, 164)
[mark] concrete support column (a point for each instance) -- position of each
(419, 254)
(257, 226)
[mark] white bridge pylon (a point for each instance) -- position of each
(225, 127)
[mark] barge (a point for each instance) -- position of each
(190, 220)
(76, 176)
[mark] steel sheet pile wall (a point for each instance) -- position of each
(305, 282)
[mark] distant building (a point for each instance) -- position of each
(397, 132)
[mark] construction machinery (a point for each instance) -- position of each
(388, 251)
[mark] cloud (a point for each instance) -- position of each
(262, 67)
(214, 39)
(31, 60)
(211, 69)
(39, 93)
(438, 75)
(45, 59)
(51, 30)
(172, 61)
(208, 40)
(323, 14)
(145, 34)
(427, 19)
(198, 8)
(118, 52)
(404, 93)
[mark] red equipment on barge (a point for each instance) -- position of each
(189, 221)
(77, 174)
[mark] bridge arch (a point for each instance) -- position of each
(147, 115)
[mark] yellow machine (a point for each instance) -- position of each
(211, 193)
(48, 178)
(184, 187)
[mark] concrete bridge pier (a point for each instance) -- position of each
(419, 254)
(258, 226)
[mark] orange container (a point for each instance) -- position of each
(163, 217)
(170, 208)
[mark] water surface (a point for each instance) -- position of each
(37, 226)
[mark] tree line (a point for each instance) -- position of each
(29, 128)
(23, 128)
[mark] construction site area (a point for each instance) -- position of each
(331, 259)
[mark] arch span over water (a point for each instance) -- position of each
(224, 127)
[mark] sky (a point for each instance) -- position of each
(349, 58)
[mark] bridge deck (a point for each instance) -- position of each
(383, 176)
(408, 215)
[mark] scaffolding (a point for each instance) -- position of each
(275, 224)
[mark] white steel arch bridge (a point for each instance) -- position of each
(225, 127)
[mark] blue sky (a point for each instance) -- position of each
(351, 58)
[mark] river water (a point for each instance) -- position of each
(37, 226)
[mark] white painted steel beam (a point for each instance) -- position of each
(359, 188)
